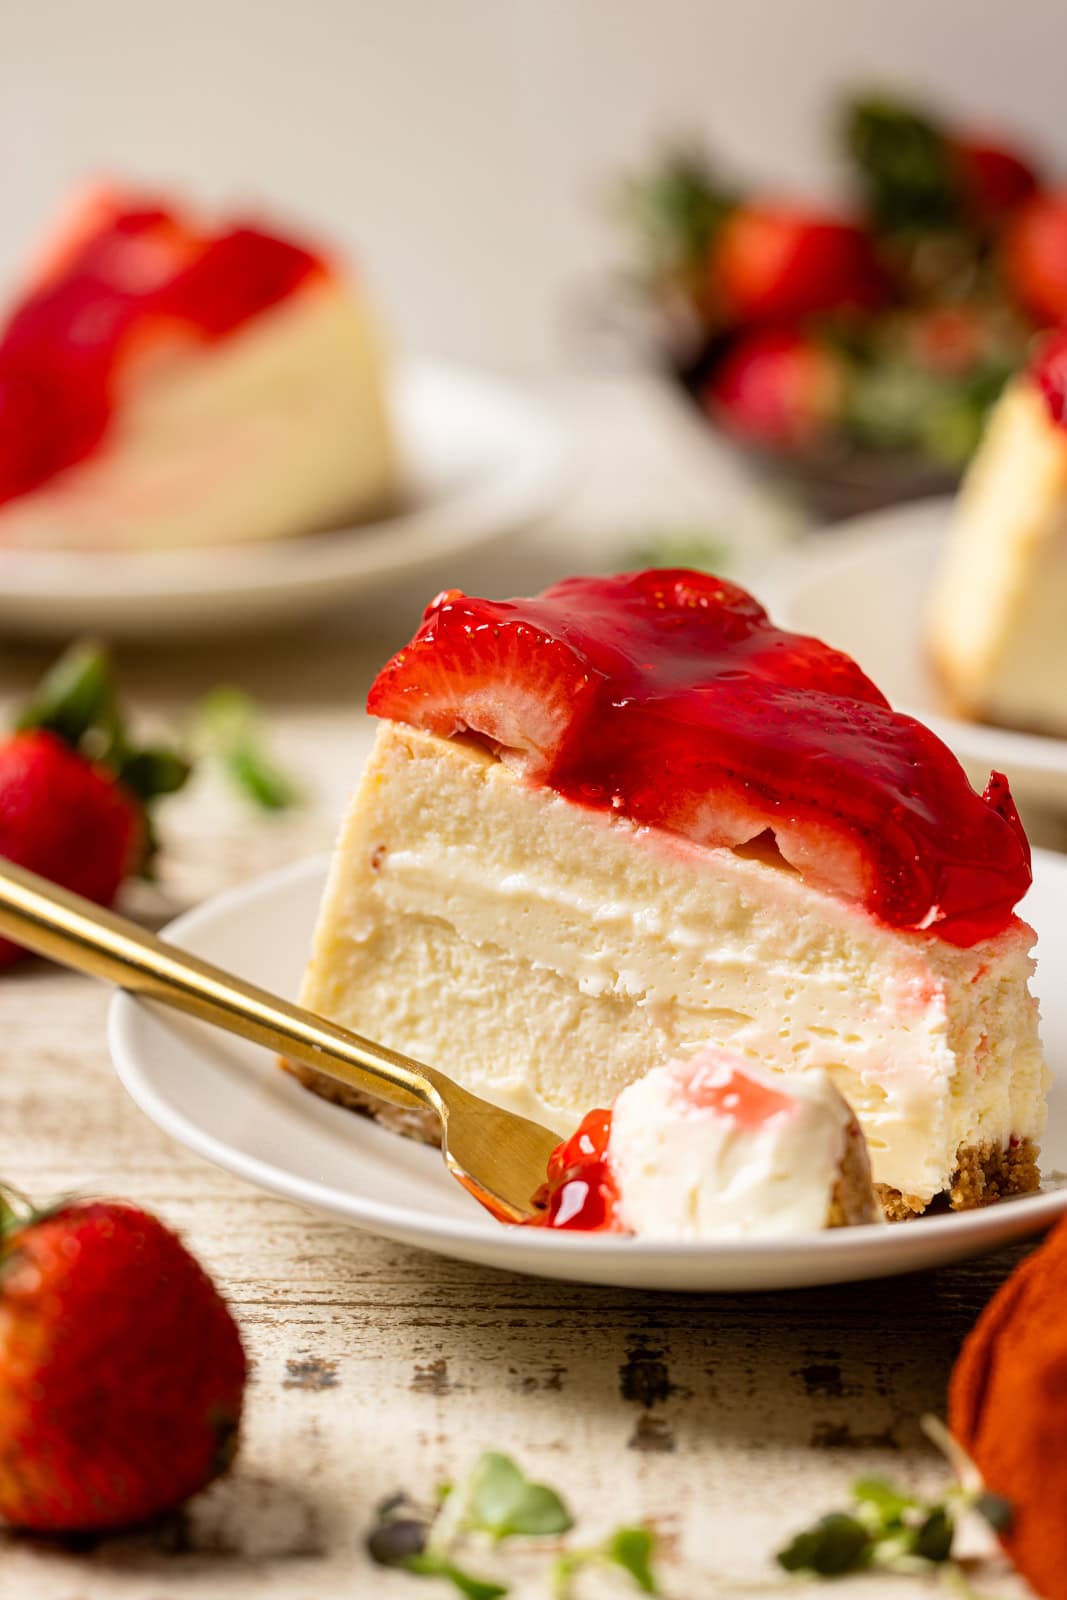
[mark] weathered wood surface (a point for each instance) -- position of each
(729, 1421)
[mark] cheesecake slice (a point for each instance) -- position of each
(996, 624)
(613, 825)
(163, 384)
(712, 1146)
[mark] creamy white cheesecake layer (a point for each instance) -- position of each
(997, 628)
(546, 955)
(281, 428)
(760, 1164)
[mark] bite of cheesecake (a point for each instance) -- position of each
(629, 819)
(713, 1146)
(167, 384)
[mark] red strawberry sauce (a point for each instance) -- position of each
(580, 1191)
(669, 697)
(1050, 373)
(129, 275)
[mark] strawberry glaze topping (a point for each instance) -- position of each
(125, 279)
(1050, 374)
(580, 1191)
(671, 698)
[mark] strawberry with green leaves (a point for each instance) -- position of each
(75, 795)
(122, 1373)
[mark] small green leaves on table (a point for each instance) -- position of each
(495, 1502)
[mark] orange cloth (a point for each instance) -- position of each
(1007, 1406)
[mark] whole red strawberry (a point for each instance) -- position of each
(65, 818)
(1035, 256)
(74, 795)
(780, 262)
(121, 1370)
(778, 387)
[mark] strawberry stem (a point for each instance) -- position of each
(78, 702)
(16, 1209)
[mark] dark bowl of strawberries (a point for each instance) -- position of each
(854, 355)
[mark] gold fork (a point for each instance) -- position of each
(499, 1157)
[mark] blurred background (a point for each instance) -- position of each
(502, 177)
(466, 151)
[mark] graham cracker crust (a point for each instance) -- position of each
(414, 1124)
(854, 1199)
(984, 1174)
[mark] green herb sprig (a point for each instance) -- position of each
(228, 729)
(494, 1502)
(887, 1530)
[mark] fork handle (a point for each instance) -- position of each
(72, 931)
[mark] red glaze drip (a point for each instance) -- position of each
(124, 278)
(740, 1098)
(1049, 371)
(671, 698)
(580, 1192)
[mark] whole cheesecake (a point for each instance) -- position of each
(165, 385)
(996, 625)
(629, 819)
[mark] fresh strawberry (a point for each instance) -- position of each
(121, 1369)
(478, 666)
(74, 795)
(992, 178)
(1035, 256)
(65, 818)
(778, 387)
(780, 262)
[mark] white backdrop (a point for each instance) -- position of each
(464, 149)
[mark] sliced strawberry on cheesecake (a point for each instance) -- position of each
(629, 817)
(163, 383)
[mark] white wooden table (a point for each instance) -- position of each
(729, 1422)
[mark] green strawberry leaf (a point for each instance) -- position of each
(904, 164)
(153, 771)
(76, 694)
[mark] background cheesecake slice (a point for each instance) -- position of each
(715, 1147)
(997, 632)
(631, 818)
(165, 385)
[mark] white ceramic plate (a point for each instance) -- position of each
(230, 1103)
(864, 587)
(482, 459)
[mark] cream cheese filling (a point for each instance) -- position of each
(547, 956)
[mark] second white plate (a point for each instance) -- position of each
(482, 459)
(864, 587)
(230, 1102)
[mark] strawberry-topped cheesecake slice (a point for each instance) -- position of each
(166, 384)
(630, 817)
(714, 1146)
(996, 626)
